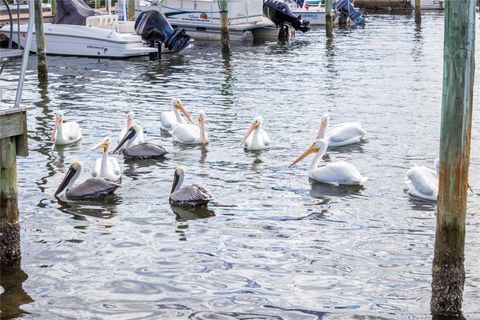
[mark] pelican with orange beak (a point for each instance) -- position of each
(170, 119)
(93, 188)
(106, 167)
(65, 132)
(130, 122)
(256, 138)
(140, 151)
(187, 133)
(334, 173)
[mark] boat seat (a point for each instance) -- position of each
(103, 21)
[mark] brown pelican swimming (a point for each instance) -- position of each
(130, 122)
(188, 133)
(92, 188)
(144, 150)
(259, 140)
(106, 167)
(191, 196)
(65, 133)
(169, 119)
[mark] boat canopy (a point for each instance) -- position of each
(72, 12)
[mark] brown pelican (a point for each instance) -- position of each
(92, 188)
(259, 140)
(106, 167)
(65, 133)
(191, 196)
(144, 150)
(169, 119)
(188, 133)
(130, 122)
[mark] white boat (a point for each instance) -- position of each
(315, 14)
(429, 4)
(90, 36)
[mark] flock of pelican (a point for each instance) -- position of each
(420, 181)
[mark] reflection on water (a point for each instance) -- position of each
(272, 244)
(13, 295)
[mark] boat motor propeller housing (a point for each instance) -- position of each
(280, 14)
(153, 26)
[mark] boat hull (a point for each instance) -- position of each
(72, 40)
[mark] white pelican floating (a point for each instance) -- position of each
(259, 139)
(342, 134)
(65, 132)
(335, 173)
(144, 150)
(422, 182)
(92, 188)
(187, 133)
(169, 119)
(106, 167)
(130, 122)
(191, 196)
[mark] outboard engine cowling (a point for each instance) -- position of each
(153, 26)
(280, 14)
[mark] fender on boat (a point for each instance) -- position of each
(153, 26)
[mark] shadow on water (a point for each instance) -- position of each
(131, 167)
(326, 191)
(105, 208)
(420, 204)
(184, 214)
(13, 296)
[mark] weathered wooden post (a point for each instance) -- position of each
(225, 37)
(41, 43)
(53, 5)
(448, 273)
(131, 9)
(328, 18)
(418, 11)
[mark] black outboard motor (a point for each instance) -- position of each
(280, 14)
(154, 27)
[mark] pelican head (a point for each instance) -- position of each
(130, 118)
(177, 105)
(58, 121)
(104, 143)
(323, 126)
(177, 178)
(72, 175)
(201, 124)
(257, 123)
(317, 146)
(130, 135)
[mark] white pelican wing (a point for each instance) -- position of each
(422, 183)
(186, 133)
(168, 120)
(337, 173)
(345, 133)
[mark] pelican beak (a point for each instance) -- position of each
(201, 124)
(253, 127)
(182, 110)
(70, 173)
(58, 120)
(104, 143)
(312, 149)
(129, 135)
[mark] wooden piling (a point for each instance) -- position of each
(418, 11)
(328, 18)
(10, 254)
(41, 43)
(448, 273)
(131, 10)
(225, 37)
(54, 7)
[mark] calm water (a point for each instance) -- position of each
(271, 245)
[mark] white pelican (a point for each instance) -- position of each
(65, 133)
(191, 196)
(106, 167)
(259, 139)
(342, 134)
(169, 119)
(130, 122)
(422, 182)
(191, 134)
(335, 173)
(144, 150)
(92, 188)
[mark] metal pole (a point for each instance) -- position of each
(41, 43)
(225, 37)
(328, 18)
(448, 273)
